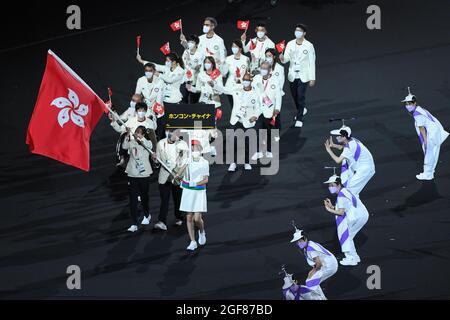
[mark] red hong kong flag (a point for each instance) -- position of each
(281, 46)
(158, 108)
(252, 45)
(238, 72)
(218, 114)
(243, 25)
(176, 25)
(215, 74)
(66, 112)
(189, 74)
(138, 42)
(165, 49)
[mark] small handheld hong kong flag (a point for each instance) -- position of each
(138, 43)
(189, 74)
(243, 25)
(252, 45)
(177, 25)
(273, 121)
(158, 109)
(215, 74)
(238, 72)
(109, 93)
(165, 49)
(66, 112)
(281, 46)
(219, 114)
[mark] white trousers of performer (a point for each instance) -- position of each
(328, 270)
(360, 178)
(353, 228)
(431, 158)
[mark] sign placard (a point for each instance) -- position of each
(184, 116)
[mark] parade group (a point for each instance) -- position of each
(252, 77)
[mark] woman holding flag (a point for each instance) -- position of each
(277, 69)
(193, 199)
(236, 65)
(209, 77)
(172, 74)
(268, 85)
(192, 58)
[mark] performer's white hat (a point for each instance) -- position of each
(288, 282)
(410, 97)
(297, 235)
(332, 179)
(338, 131)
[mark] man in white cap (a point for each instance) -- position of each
(351, 215)
(354, 157)
(322, 261)
(431, 135)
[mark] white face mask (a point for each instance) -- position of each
(264, 72)
(246, 83)
(141, 114)
(205, 29)
(298, 34)
(191, 45)
(269, 60)
(149, 75)
(168, 64)
(208, 66)
(196, 154)
(235, 50)
(132, 104)
(260, 34)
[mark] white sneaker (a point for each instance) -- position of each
(424, 176)
(257, 155)
(178, 222)
(247, 167)
(139, 198)
(305, 111)
(161, 226)
(277, 139)
(192, 246)
(269, 155)
(232, 167)
(146, 221)
(348, 261)
(133, 228)
(201, 238)
(298, 124)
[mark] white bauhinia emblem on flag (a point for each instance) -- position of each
(70, 109)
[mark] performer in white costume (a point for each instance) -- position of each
(193, 199)
(351, 215)
(322, 261)
(354, 157)
(293, 291)
(431, 134)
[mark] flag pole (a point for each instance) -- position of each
(149, 150)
